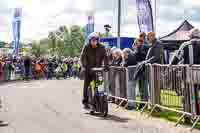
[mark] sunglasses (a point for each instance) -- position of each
(142, 36)
(141, 41)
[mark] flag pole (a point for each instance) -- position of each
(155, 15)
(119, 24)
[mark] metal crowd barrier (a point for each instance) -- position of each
(117, 84)
(170, 85)
(120, 84)
(173, 88)
(140, 88)
(194, 78)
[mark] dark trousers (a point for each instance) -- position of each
(196, 89)
(88, 78)
(50, 74)
(27, 73)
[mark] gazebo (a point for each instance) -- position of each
(173, 40)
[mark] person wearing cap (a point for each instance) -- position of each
(189, 53)
(107, 33)
(93, 55)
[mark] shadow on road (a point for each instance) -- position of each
(111, 118)
(116, 119)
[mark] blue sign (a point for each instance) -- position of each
(144, 16)
(126, 42)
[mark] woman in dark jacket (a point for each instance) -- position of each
(140, 55)
(139, 50)
(129, 58)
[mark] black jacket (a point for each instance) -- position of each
(131, 61)
(155, 53)
(50, 65)
(140, 54)
(189, 52)
(27, 62)
(94, 57)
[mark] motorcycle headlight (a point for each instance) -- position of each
(100, 77)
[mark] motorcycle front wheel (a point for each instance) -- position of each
(105, 107)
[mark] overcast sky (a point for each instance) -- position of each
(42, 16)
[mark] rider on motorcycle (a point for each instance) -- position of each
(93, 55)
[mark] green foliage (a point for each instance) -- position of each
(37, 50)
(2, 44)
(52, 43)
(66, 42)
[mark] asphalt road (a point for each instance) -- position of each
(55, 107)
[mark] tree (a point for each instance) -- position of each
(52, 42)
(63, 42)
(60, 50)
(77, 40)
(37, 50)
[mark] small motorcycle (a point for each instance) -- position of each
(98, 98)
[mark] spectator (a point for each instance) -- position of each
(189, 53)
(188, 49)
(27, 67)
(139, 51)
(38, 70)
(154, 55)
(155, 52)
(65, 69)
(117, 57)
(129, 57)
(1, 69)
(140, 55)
(50, 69)
(78, 67)
(130, 60)
(10, 69)
(143, 37)
(18, 69)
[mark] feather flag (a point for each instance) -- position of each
(145, 16)
(16, 25)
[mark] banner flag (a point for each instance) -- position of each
(16, 25)
(90, 25)
(145, 16)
